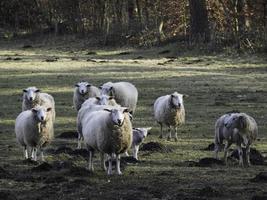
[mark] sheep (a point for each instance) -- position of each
(34, 129)
(110, 132)
(239, 128)
(82, 91)
(124, 93)
(32, 97)
(169, 110)
(92, 104)
(139, 134)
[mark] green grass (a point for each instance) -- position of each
(215, 84)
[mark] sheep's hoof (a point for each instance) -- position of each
(169, 138)
(176, 139)
(160, 136)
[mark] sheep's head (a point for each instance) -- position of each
(83, 87)
(117, 115)
(235, 121)
(40, 113)
(107, 89)
(104, 99)
(31, 93)
(176, 100)
(144, 131)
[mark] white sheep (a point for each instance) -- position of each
(110, 132)
(83, 90)
(32, 97)
(139, 134)
(92, 104)
(169, 110)
(241, 129)
(34, 129)
(124, 93)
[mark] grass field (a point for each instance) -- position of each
(215, 84)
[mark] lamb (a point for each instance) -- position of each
(238, 128)
(124, 93)
(34, 129)
(92, 104)
(139, 134)
(32, 97)
(169, 110)
(110, 132)
(83, 90)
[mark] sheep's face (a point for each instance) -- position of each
(235, 121)
(41, 113)
(107, 89)
(176, 100)
(31, 93)
(104, 99)
(83, 87)
(144, 131)
(117, 115)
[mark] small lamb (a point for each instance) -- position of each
(239, 128)
(139, 134)
(34, 129)
(169, 110)
(110, 132)
(83, 90)
(32, 97)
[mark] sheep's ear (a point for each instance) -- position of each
(24, 90)
(100, 87)
(185, 95)
(126, 110)
(34, 110)
(111, 88)
(48, 109)
(88, 85)
(98, 98)
(37, 90)
(107, 110)
(76, 85)
(148, 128)
(172, 95)
(111, 97)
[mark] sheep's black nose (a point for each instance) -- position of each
(179, 105)
(119, 121)
(30, 98)
(42, 118)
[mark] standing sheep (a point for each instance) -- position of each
(139, 134)
(169, 110)
(240, 128)
(34, 129)
(83, 90)
(110, 132)
(124, 93)
(92, 104)
(33, 97)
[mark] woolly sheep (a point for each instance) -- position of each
(32, 97)
(34, 129)
(169, 110)
(241, 129)
(83, 90)
(92, 104)
(124, 93)
(139, 134)
(110, 132)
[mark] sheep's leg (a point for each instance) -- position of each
(26, 152)
(110, 164)
(175, 137)
(118, 164)
(34, 153)
(90, 166)
(170, 133)
(226, 151)
(216, 150)
(79, 141)
(135, 151)
(42, 154)
(240, 152)
(126, 153)
(161, 130)
(102, 161)
(248, 155)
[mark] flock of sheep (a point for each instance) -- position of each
(104, 122)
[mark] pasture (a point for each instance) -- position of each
(215, 84)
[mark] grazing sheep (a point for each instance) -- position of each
(124, 93)
(110, 132)
(33, 97)
(92, 104)
(139, 134)
(34, 129)
(83, 90)
(239, 128)
(169, 110)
